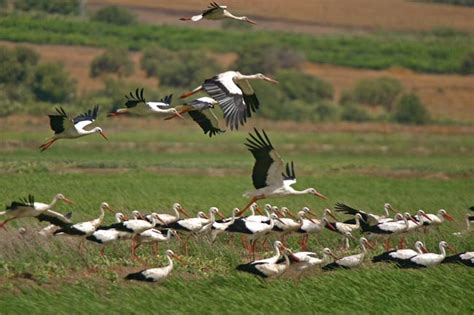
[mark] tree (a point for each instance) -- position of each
(410, 110)
(112, 61)
(300, 86)
(51, 83)
(115, 15)
(381, 91)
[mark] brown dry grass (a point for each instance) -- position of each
(314, 14)
(447, 96)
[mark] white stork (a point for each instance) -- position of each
(66, 128)
(106, 235)
(84, 229)
(200, 110)
(220, 227)
(344, 228)
(311, 225)
(49, 230)
(370, 218)
(425, 260)
(302, 261)
(387, 229)
(155, 274)
(27, 207)
(216, 12)
(434, 219)
(269, 176)
(351, 261)
(255, 229)
(170, 218)
(270, 267)
(235, 95)
(162, 106)
(153, 237)
(466, 258)
(396, 255)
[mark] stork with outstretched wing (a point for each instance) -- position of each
(270, 177)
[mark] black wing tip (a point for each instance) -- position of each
(471, 208)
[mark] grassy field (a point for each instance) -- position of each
(151, 168)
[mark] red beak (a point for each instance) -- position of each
(448, 217)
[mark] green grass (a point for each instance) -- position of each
(425, 52)
(151, 169)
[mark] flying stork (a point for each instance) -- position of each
(270, 177)
(162, 106)
(370, 218)
(27, 207)
(66, 128)
(216, 12)
(235, 95)
(155, 274)
(200, 110)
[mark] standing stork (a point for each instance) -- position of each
(169, 218)
(351, 261)
(396, 255)
(216, 12)
(162, 106)
(270, 267)
(200, 110)
(66, 128)
(425, 260)
(153, 237)
(466, 258)
(268, 175)
(84, 229)
(344, 228)
(310, 226)
(27, 207)
(235, 95)
(155, 274)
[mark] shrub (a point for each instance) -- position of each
(114, 61)
(296, 85)
(268, 59)
(410, 110)
(115, 15)
(52, 83)
(49, 6)
(10, 69)
(179, 68)
(380, 91)
(467, 64)
(352, 112)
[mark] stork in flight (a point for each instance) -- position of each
(67, 128)
(200, 110)
(132, 105)
(27, 207)
(216, 12)
(270, 177)
(235, 95)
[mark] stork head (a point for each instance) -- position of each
(261, 76)
(443, 213)
(99, 131)
(314, 192)
(388, 207)
(171, 254)
(364, 241)
(61, 197)
(246, 19)
(105, 206)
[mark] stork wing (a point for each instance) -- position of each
(249, 96)
(289, 178)
(136, 99)
(229, 95)
(207, 121)
(86, 118)
(268, 167)
(212, 8)
(340, 207)
(164, 103)
(55, 218)
(27, 202)
(60, 121)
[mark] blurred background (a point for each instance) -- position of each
(358, 61)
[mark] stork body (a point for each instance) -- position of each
(370, 218)
(397, 255)
(155, 274)
(67, 128)
(235, 95)
(351, 261)
(425, 260)
(465, 258)
(28, 207)
(268, 268)
(216, 12)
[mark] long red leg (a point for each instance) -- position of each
(46, 146)
(102, 252)
(2, 224)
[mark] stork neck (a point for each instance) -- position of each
(357, 220)
(176, 212)
(442, 250)
(277, 250)
(362, 247)
(170, 260)
(101, 216)
(53, 202)
(168, 235)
